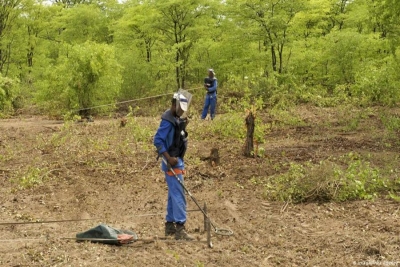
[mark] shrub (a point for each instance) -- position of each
(7, 93)
(346, 178)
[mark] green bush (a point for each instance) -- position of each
(7, 94)
(231, 125)
(378, 81)
(346, 178)
(32, 177)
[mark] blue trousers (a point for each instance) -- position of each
(176, 204)
(209, 103)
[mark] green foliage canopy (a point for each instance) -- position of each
(88, 76)
(282, 51)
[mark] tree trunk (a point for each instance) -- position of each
(249, 146)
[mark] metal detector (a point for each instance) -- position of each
(218, 231)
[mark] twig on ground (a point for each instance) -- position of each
(147, 163)
(284, 206)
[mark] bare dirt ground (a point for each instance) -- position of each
(99, 172)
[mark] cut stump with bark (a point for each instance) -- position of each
(213, 158)
(250, 124)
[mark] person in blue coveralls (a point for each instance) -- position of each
(170, 141)
(210, 102)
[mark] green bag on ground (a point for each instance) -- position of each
(107, 235)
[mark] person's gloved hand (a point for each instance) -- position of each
(172, 161)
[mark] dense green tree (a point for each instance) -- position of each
(384, 17)
(87, 77)
(9, 12)
(273, 18)
(337, 14)
(31, 29)
(135, 39)
(134, 28)
(178, 21)
(272, 47)
(83, 23)
(223, 46)
(70, 3)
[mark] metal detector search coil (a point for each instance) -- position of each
(220, 231)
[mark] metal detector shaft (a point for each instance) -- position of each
(187, 191)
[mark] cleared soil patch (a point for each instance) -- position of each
(100, 172)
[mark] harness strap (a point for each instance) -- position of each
(177, 171)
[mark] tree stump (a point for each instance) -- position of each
(213, 158)
(123, 122)
(250, 124)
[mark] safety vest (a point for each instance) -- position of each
(210, 81)
(179, 142)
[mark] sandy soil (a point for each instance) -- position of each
(99, 172)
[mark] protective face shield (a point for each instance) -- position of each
(181, 104)
(183, 99)
(211, 73)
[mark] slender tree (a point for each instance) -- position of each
(273, 19)
(8, 13)
(177, 22)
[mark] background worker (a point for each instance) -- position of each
(210, 102)
(170, 141)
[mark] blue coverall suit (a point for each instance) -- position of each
(211, 100)
(176, 204)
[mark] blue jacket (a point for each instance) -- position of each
(164, 138)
